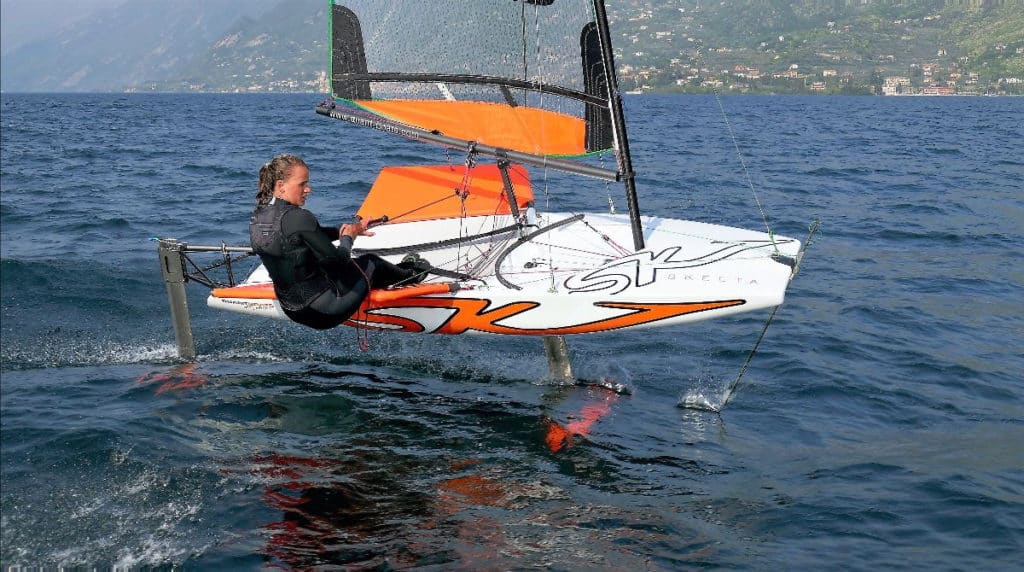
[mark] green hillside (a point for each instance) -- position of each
(849, 46)
(762, 46)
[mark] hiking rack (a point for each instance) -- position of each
(178, 267)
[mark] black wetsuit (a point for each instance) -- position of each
(317, 284)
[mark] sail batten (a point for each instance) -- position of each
(469, 79)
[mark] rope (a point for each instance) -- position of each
(423, 206)
(427, 246)
(622, 251)
(363, 332)
(523, 240)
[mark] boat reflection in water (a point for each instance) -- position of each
(397, 505)
(177, 378)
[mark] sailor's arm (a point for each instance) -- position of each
(304, 225)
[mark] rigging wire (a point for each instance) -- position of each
(538, 57)
(746, 172)
(614, 245)
(746, 363)
(731, 389)
(739, 154)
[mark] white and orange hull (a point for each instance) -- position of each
(580, 277)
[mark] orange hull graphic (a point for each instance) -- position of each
(473, 314)
(249, 292)
(377, 297)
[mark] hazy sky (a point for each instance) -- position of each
(22, 21)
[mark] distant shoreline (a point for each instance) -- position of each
(626, 94)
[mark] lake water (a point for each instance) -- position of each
(880, 425)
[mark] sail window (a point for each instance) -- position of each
(494, 72)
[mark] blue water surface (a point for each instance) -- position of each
(879, 426)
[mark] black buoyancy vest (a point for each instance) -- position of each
(265, 229)
(297, 277)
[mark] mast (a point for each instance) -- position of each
(619, 124)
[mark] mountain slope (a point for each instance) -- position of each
(285, 49)
(137, 41)
(280, 45)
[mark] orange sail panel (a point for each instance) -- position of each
(523, 129)
(407, 194)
